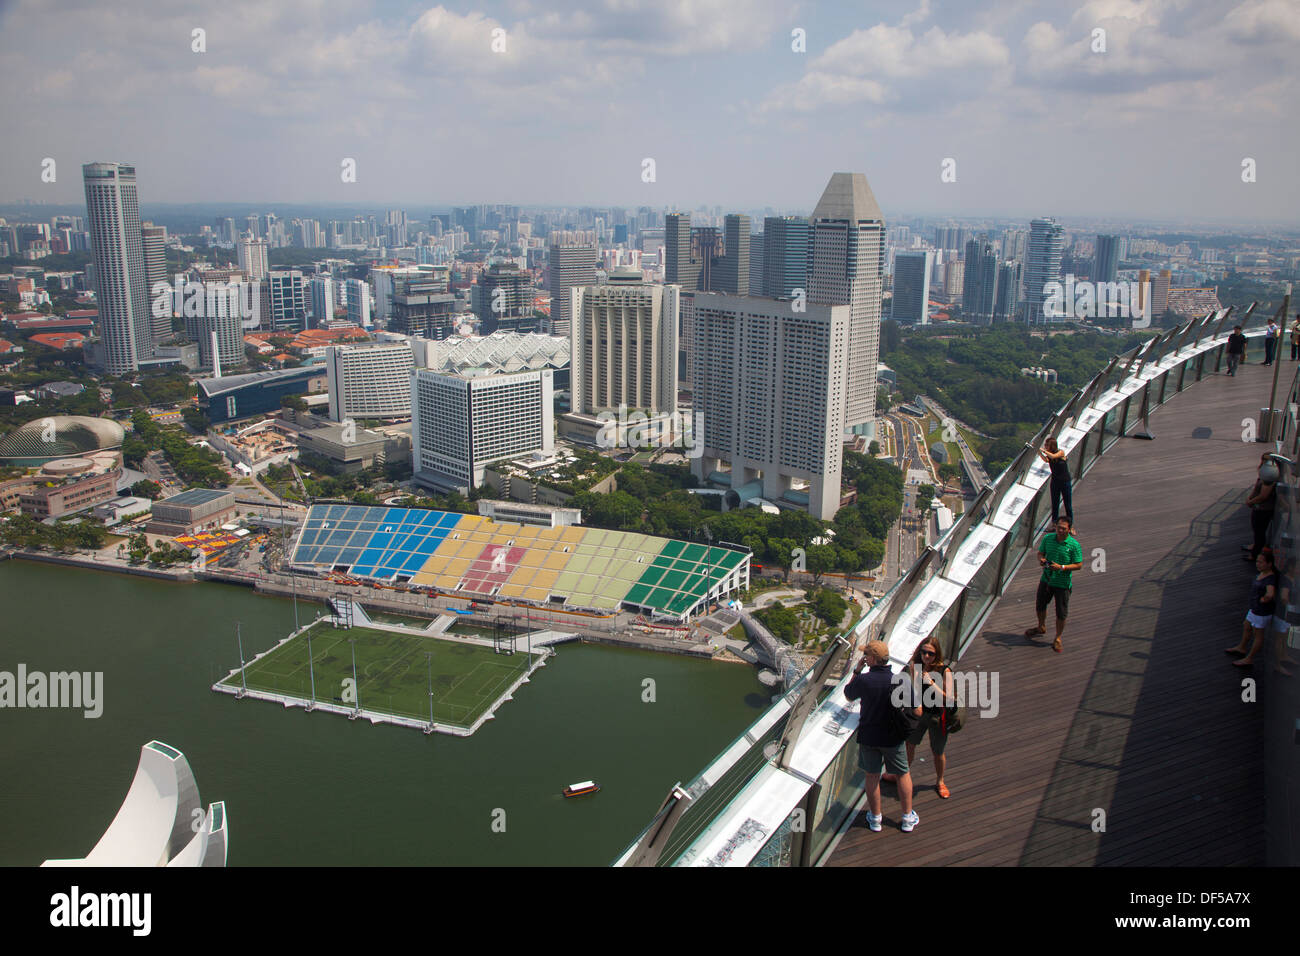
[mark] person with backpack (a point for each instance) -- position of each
(1236, 349)
(886, 719)
(933, 681)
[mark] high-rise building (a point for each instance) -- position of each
(358, 293)
(113, 211)
(422, 305)
(218, 320)
(731, 272)
(321, 292)
(757, 264)
(503, 299)
(847, 268)
(979, 281)
(911, 301)
(288, 301)
(680, 265)
(1015, 244)
(1160, 293)
(954, 277)
(623, 348)
(462, 422)
(1042, 265)
(253, 258)
(154, 241)
(1105, 259)
(570, 265)
(770, 391)
(786, 243)
(370, 381)
(1008, 298)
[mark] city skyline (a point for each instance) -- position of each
(1035, 120)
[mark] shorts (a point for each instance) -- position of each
(872, 759)
(1257, 620)
(938, 738)
(1046, 593)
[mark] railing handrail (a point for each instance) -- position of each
(884, 615)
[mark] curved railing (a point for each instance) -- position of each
(779, 794)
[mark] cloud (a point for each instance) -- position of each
(893, 65)
(1264, 22)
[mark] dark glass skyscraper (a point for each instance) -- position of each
(785, 255)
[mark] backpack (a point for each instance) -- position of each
(901, 718)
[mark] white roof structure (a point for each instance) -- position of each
(500, 351)
(161, 821)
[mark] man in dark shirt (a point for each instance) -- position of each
(879, 742)
(1236, 349)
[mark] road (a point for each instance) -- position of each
(974, 468)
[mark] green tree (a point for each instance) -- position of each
(781, 621)
(829, 607)
(821, 558)
(144, 488)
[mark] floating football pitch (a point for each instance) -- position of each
(392, 673)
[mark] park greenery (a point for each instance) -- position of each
(24, 531)
(655, 500)
(975, 374)
(193, 464)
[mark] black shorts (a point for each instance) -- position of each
(1046, 593)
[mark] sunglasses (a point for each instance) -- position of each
(927, 653)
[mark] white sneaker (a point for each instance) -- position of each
(910, 820)
(874, 821)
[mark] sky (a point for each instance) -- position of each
(739, 103)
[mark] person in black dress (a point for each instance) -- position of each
(1055, 458)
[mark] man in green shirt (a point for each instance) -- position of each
(1059, 554)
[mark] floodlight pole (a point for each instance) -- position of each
(240, 638)
(356, 686)
(428, 656)
(311, 668)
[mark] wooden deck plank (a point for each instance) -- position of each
(1142, 715)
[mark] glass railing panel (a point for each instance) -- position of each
(842, 787)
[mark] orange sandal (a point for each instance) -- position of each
(1056, 645)
(942, 790)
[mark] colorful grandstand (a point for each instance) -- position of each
(571, 567)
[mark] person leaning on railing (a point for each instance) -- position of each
(1263, 599)
(1261, 501)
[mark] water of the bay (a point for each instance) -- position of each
(317, 789)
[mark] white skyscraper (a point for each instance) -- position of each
(253, 258)
(154, 239)
(370, 381)
(462, 422)
(358, 293)
(847, 268)
(1042, 265)
(770, 396)
(117, 248)
(322, 300)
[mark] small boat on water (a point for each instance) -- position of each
(581, 789)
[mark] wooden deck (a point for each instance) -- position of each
(1142, 716)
